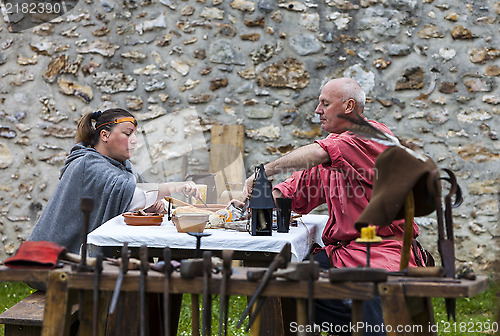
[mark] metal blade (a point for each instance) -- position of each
(119, 280)
(116, 293)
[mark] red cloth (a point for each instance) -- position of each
(345, 186)
(35, 254)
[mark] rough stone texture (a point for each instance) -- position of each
(429, 68)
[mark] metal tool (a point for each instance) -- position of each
(119, 280)
(202, 201)
(143, 253)
(368, 274)
(357, 274)
(280, 261)
(420, 272)
(167, 271)
(302, 271)
(198, 235)
(97, 273)
(227, 257)
(313, 276)
(86, 205)
(169, 210)
(298, 271)
(368, 237)
(446, 246)
(206, 321)
(191, 268)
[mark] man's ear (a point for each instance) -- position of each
(350, 106)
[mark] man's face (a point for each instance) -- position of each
(329, 107)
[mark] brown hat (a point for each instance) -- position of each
(396, 173)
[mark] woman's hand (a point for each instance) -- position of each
(188, 188)
(157, 207)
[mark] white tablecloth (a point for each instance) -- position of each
(115, 232)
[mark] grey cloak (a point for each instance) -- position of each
(86, 173)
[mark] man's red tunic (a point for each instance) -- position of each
(346, 187)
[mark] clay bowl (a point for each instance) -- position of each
(135, 219)
(190, 222)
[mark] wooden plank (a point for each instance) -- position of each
(238, 285)
(86, 311)
(28, 312)
(226, 156)
(25, 275)
(22, 330)
(444, 288)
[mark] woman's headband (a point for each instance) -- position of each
(120, 120)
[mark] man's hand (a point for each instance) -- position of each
(247, 187)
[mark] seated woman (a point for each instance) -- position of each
(98, 166)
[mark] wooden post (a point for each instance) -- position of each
(411, 315)
(57, 312)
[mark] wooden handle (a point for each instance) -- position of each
(425, 271)
(175, 201)
(73, 257)
(408, 231)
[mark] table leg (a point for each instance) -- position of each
(270, 319)
(195, 315)
(405, 316)
(255, 329)
(301, 316)
(357, 316)
(58, 303)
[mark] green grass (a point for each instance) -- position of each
(475, 316)
(10, 294)
(236, 306)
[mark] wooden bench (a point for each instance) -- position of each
(26, 317)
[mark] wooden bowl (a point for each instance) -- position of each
(190, 222)
(141, 220)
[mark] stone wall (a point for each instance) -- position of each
(430, 70)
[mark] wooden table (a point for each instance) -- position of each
(405, 301)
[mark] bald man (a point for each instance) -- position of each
(338, 171)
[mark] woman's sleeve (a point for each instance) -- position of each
(145, 194)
